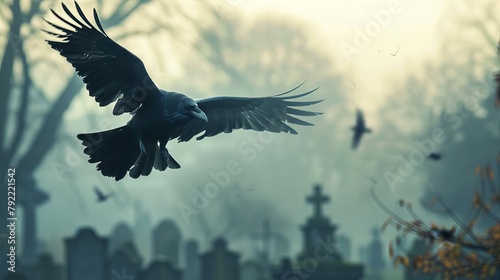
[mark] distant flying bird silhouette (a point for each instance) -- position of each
(359, 129)
(112, 73)
(394, 54)
(434, 156)
(100, 196)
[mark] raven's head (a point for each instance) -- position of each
(190, 109)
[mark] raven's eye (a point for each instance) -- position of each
(190, 106)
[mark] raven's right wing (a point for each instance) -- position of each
(226, 114)
(110, 71)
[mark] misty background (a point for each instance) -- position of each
(443, 69)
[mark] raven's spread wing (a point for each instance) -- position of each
(110, 71)
(226, 114)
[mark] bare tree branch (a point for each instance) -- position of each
(6, 72)
(20, 126)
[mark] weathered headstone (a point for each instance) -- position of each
(121, 235)
(192, 261)
(418, 247)
(375, 259)
(283, 270)
(161, 269)
(45, 269)
(125, 260)
(251, 270)
(86, 256)
(142, 231)
(166, 241)
(320, 258)
(319, 230)
(220, 263)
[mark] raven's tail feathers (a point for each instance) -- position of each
(115, 150)
(152, 156)
(163, 159)
(118, 150)
(144, 164)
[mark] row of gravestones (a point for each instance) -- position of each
(87, 258)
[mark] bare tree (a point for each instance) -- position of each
(25, 141)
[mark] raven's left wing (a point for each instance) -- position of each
(226, 114)
(110, 71)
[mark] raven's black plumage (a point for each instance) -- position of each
(435, 156)
(112, 73)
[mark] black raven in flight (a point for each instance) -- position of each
(112, 73)
(100, 196)
(359, 129)
(435, 156)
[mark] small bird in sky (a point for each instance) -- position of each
(435, 156)
(359, 129)
(100, 196)
(113, 74)
(394, 54)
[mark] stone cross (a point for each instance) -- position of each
(317, 200)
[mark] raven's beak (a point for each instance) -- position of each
(199, 114)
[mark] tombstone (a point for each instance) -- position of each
(320, 256)
(125, 260)
(142, 231)
(121, 235)
(319, 229)
(161, 269)
(418, 247)
(375, 256)
(284, 270)
(45, 269)
(192, 261)
(86, 256)
(251, 270)
(220, 263)
(344, 246)
(166, 241)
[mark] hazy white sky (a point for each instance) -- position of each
(412, 27)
